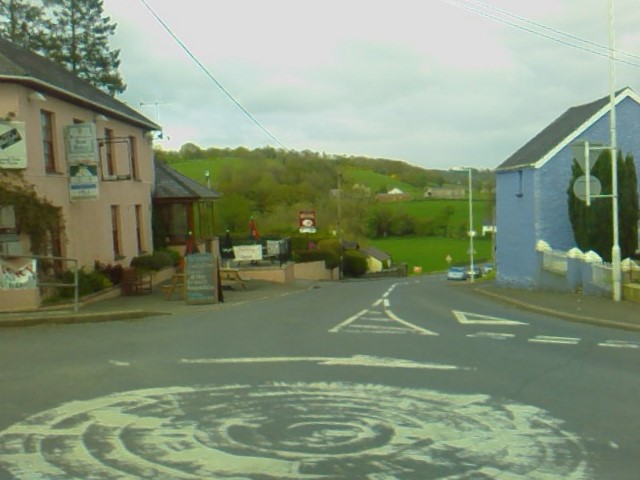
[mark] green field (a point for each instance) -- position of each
(195, 168)
(377, 182)
(430, 253)
(482, 211)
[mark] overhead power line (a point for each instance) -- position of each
(539, 29)
(210, 76)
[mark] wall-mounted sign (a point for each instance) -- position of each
(13, 150)
(81, 143)
(83, 182)
(307, 221)
(18, 275)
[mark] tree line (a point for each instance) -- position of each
(272, 185)
(74, 33)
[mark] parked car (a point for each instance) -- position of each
(486, 268)
(457, 273)
(476, 273)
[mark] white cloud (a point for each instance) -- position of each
(428, 82)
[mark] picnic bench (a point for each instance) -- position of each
(231, 277)
(177, 282)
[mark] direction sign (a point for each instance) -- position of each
(580, 187)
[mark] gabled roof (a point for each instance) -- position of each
(172, 185)
(562, 131)
(18, 65)
(377, 254)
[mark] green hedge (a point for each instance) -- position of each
(157, 260)
(354, 263)
(331, 260)
(88, 282)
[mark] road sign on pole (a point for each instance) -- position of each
(585, 189)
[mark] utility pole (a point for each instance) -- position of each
(615, 249)
(340, 224)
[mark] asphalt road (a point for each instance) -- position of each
(388, 379)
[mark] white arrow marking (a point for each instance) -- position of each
(477, 319)
(353, 361)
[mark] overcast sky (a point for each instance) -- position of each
(429, 82)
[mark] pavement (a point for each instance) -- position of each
(112, 307)
(574, 307)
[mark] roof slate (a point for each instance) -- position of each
(378, 254)
(19, 65)
(552, 135)
(171, 184)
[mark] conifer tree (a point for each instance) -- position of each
(593, 226)
(79, 40)
(23, 22)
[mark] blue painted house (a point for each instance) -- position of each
(531, 185)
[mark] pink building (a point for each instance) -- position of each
(86, 153)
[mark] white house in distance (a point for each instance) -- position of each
(82, 151)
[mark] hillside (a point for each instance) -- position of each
(272, 185)
(375, 173)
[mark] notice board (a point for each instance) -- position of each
(201, 279)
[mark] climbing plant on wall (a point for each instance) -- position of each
(36, 217)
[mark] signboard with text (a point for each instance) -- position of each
(82, 156)
(83, 182)
(200, 280)
(81, 143)
(247, 252)
(13, 150)
(307, 221)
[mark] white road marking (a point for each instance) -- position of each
(376, 316)
(492, 335)
(292, 431)
(467, 318)
(377, 302)
(347, 321)
(409, 325)
(558, 340)
(353, 361)
(619, 344)
(118, 363)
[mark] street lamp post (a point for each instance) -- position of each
(471, 232)
(615, 250)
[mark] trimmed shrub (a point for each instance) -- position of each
(88, 282)
(156, 261)
(331, 260)
(112, 272)
(354, 263)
